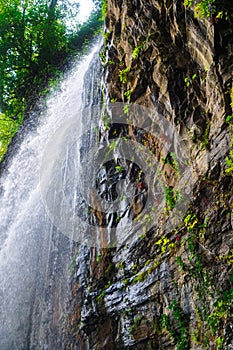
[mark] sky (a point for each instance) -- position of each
(85, 8)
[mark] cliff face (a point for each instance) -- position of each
(170, 291)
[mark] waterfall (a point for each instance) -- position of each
(34, 255)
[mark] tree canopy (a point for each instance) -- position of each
(32, 38)
(35, 42)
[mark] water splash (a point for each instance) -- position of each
(33, 255)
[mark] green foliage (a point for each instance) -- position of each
(205, 136)
(106, 122)
(222, 307)
(127, 94)
(180, 262)
(220, 341)
(164, 244)
(177, 319)
(196, 232)
(32, 38)
(102, 56)
(136, 52)
(171, 160)
(191, 221)
(174, 162)
(99, 258)
(187, 81)
(194, 76)
(121, 265)
(138, 48)
(125, 282)
(229, 159)
(140, 277)
(229, 119)
(231, 95)
(210, 321)
(171, 196)
(229, 163)
(202, 8)
(136, 324)
(103, 9)
(118, 168)
(101, 296)
(36, 41)
(228, 258)
(8, 128)
(78, 40)
(113, 100)
(126, 109)
(123, 75)
(210, 8)
(102, 6)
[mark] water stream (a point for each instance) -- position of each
(34, 256)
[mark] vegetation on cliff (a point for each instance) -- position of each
(210, 8)
(170, 289)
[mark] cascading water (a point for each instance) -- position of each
(34, 256)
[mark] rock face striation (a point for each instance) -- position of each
(167, 290)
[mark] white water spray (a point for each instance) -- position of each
(26, 234)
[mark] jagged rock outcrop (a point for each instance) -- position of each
(173, 290)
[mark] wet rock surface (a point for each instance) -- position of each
(168, 290)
